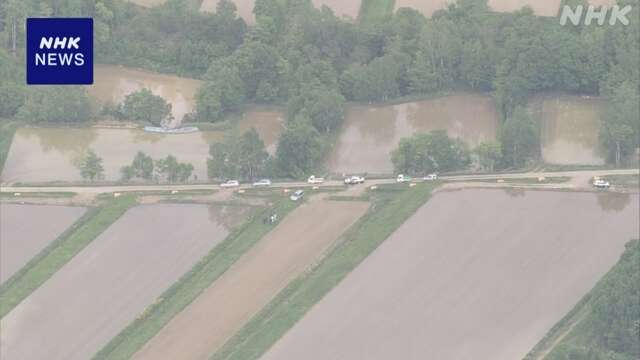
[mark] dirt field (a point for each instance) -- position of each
(111, 282)
(474, 274)
(370, 133)
(540, 7)
(349, 8)
(27, 229)
(253, 281)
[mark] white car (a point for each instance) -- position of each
(353, 180)
(601, 184)
(262, 183)
(403, 179)
(315, 180)
(297, 195)
(230, 184)
(430, 177)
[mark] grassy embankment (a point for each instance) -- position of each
(187, 289)
(392, 205)
(604, 324)
(375, 11)
(60, 251)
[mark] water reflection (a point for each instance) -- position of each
(114, 83)
(613, 202)
(570, 126)
(371, 133)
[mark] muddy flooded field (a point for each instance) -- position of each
(221, 310)
(25, 230)
(148, 3)
(111, 282)
(371, 133)
(570, 127)
(52, 154)
(349, 8)
(269, 125)
(488, 290)
(113, 83)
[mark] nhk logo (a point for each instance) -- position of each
(59, 51)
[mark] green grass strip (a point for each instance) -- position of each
(60, 251)
(392, 206)
(187, 289)
(375, 11)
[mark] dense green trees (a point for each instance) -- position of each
(238, 157)
(300, 148)
(489, 154)
(610, 329)
(423, 154)
(520, 139)
(143, 105)
(172, 171)
(91, 167)
(142, 167)
(56, 104)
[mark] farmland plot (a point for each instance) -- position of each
(25, 230)
(221, 310)
(111, 282)
(474, 274)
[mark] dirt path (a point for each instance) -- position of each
(222, 309)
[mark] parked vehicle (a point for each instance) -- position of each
(430, 177)
(262, 183)
(230, 184)
(403, 179)
(315, 180)
(601, 184)
(353, 180)
(297, 195)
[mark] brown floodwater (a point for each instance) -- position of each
(269, 125)
(113, 83)
(148, 3)
(490, 289)
(52, 154)
(570, 127)
(370, 133)
(111, 282)
(25, 230)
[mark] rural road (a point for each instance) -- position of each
(585, 174)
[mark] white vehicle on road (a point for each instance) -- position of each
(353, 180)
(601, 184)
(297, 195)
(430, 177)
(403, 179)
(315, 180)
(230, 184)
(262, 183)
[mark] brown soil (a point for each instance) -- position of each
(474, 274)
(111, 282)
(253, 281)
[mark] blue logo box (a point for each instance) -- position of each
(59, 51)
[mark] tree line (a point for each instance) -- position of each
(312, 61)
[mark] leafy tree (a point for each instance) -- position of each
(426, 153)
(520, 139)
(620, 130)
(222, 91)
(91, 167)
(12, 97)
(143, 105)
(170, 170)
(56, 104)
(142, 166)
(325, 108)
(489, 154)
(236, 157)
(300, 148)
